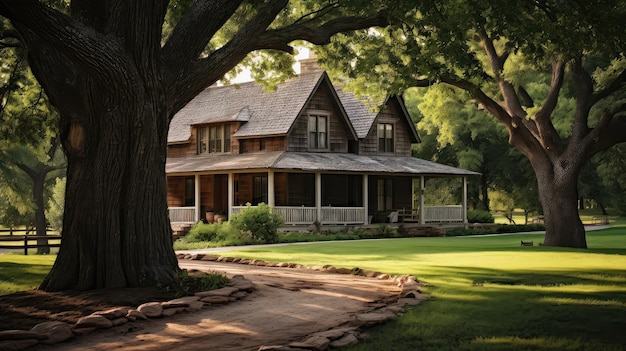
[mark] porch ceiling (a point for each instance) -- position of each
(313, 162)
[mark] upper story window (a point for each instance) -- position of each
(385, 137)
(214, 139)
(318, 132)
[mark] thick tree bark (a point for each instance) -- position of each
(557, 182)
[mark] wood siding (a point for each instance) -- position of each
(176, 191)
(264, 144)
(390, 113)
(338, 132)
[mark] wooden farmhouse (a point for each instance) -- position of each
(311, 151)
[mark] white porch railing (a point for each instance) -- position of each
(330, 215)
(182, 214)
(443, 214)
(342, 215)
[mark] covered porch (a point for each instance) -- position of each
(327, 188)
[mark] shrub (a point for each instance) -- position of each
(260, 222)
(479, 216)
(210, 232)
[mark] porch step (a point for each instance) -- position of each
(179, 230)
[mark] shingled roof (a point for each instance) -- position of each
(267, 113)
(312, 162)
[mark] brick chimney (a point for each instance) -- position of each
(309, 64)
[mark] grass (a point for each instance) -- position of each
(488, 293)
(19, 272)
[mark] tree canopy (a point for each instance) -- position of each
(500, 53)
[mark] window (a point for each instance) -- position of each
(190, 192)
(318, 134)
(214, 139)
(385, 137)
(385, 194)
(259, 190)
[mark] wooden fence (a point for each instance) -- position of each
(25, 241)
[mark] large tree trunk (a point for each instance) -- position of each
(116, 231)
(558, 192)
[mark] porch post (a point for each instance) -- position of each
(318, 195)
(196, 183)
(422, 219)
(464, 200)
(270, 188)
(231, 193)
(365, 199)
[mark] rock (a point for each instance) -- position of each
(82, 331)
(94, 321)
(407, 301)
(209, 258)
(113, 313)
(195, 306)
(282, 264)
(346, 340)
(10, 345)
(411, 294)
(151, 309)
(336, 333)
(373, 318)
(317, 343)
(134, 314)
(15, 334)
(172, 311)
(225, 291)
(119, 321)
(344, 271)
(277, 348)
(216, 299)
(395, 309)
(180, 302)
(242, 284)
(383, 276)
(239, 295)
(55, 332)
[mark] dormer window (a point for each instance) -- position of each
(213, 139)
(318, 132)
(385, 137)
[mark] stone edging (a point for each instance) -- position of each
(54, 332)
(351, 332)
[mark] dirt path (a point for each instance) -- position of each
(288, 305)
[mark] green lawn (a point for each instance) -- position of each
(489, 293)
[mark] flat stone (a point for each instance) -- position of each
(225, 291)
(134, 314)
(55, 332)
(336, 333)
(209, 258)
(344, 270)
(239, 294)
(277, 348)
(10, 345)
(216, 299)
(373, 318)
(94, 321)
(172, 311)
(242, 284)
(180, 302)
(317, 343)
(151, 309)
(82, 331)
(113, 313)
(195, 306)
(15, 334)
(119, 321)
(408, 301)
(346, 340)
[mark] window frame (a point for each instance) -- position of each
(316, 137)
(386, 142)
(213, 139)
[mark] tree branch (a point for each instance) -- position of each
(548, 135)
(615, 85)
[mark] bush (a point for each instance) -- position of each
(479, 216)
(210, 232)
(495, 229)
(259, 222)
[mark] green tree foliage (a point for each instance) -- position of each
(118, 72)
(551, 72)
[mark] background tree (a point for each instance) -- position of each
(117, 81)
(488, 49)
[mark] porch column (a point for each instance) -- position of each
(365, 199)
(271, 196)
(422, 219)
(196, 183)
(231, 193)
(318, 196)
(464, 200)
